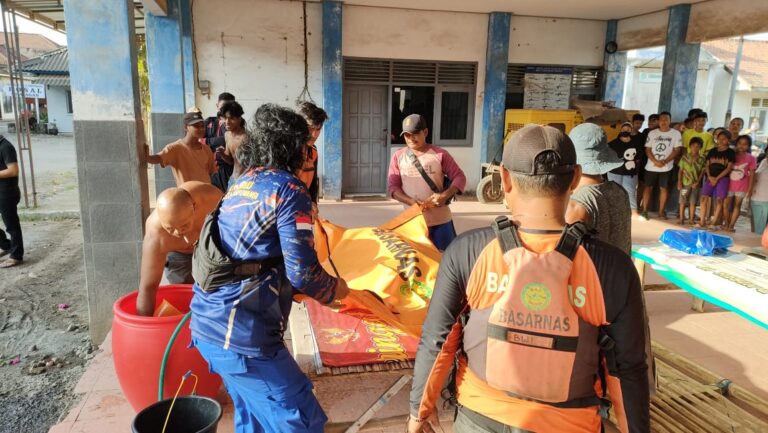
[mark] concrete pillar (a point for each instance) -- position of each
(187, 53)
(166, 83)
(681, 62)
(495, 91)
(109, 140)
(332, 100)
(614, 69)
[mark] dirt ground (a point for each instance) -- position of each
(44, 341)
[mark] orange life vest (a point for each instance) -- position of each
(307, 172)
(531, 343)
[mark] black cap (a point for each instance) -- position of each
(525, 145)
(414, 123)
(193, 117)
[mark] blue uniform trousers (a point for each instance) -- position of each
(270, 393)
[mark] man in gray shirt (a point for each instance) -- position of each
(601, 203)
(604, 204)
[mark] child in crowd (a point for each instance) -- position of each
(742, 180)
(759, 200)
(689, 179)
(719, 165)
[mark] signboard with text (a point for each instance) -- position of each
(30, 90)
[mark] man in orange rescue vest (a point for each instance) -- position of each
(538, 318)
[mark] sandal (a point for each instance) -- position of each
(9, 263)
(663, 216)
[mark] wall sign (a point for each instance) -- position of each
(30, 90)
(547, 87)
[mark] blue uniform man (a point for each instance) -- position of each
(238, 327)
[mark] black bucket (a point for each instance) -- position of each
(190, 414)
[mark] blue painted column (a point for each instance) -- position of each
(187, 53)
(681, 62)
(166, 83)
(615, 68)
(109, 144)
(332, 100)
(495, 93)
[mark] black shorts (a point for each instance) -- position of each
(655, 178)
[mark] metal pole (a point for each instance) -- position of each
(24, 98)
(6, 26)
(734, 81)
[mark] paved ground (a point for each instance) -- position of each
(55, 177)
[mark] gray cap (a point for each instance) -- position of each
(525, 145)
(592, 151)
(414, 123)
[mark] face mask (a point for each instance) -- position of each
(624, 135)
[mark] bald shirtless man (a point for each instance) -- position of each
(171, 232)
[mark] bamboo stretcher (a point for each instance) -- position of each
(692, 399)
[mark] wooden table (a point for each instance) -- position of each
(734, 281)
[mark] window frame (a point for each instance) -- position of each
(574, 90)
(68, 99)
(438, 120)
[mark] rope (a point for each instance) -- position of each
(305, 95)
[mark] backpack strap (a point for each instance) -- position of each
(415, 161)
(572, 238)
(506, 233)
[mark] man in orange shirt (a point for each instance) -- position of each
(188, 158)
(535, 319)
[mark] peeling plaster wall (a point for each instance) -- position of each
(643, 31)
(256, 53)
(556, 41)
(424, 35)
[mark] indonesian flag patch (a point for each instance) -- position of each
(303, 222)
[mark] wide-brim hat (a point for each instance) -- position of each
(592, 151)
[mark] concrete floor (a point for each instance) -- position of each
(718, 340)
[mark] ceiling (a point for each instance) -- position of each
(50, 13)
(582, 9)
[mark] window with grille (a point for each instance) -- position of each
(443, 92)
(586, 83)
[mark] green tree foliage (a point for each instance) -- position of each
(141, 45)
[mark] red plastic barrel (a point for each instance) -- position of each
(138, 344)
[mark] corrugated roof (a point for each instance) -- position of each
(52, 80)
(754, 58)
(56, 63)
(50, 68)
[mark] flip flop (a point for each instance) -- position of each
(9, 263)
